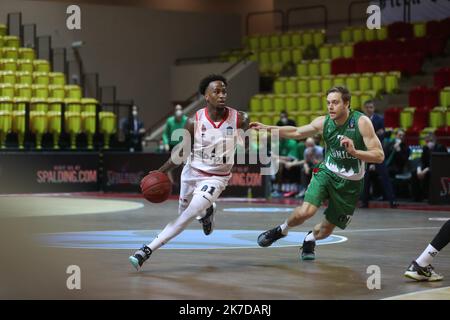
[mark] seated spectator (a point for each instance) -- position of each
(285, 121)
(420, 179)
(397, 154)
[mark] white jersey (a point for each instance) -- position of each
(214, 143)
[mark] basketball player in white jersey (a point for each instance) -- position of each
(208, 164)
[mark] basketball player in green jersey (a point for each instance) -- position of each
(350, 142)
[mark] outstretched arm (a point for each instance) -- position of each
(374, 153)
(183, 149)
(290, 132)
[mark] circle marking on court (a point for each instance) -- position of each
(188, 239)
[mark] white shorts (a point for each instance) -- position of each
(196, 182)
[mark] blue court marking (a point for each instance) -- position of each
(258, 210)
(188, 239)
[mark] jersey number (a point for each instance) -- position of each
(211, 189)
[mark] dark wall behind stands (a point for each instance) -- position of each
(440, 179)
(130, 47)
(24, 172)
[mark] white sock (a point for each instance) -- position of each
(197, 207)
(310, 237)
(427, 256)
(284, 228)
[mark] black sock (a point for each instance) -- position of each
(443, 237)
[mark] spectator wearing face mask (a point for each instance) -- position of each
(420, 180)
(285, 121)
(177, 121)
(397, 154)
(134, 130)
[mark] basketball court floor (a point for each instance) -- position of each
(42, 235)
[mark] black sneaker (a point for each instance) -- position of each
(208, 220)
(419, 273)
(268, 237)
(140, 256)
(308, 249)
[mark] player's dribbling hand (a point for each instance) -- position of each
(348, 145)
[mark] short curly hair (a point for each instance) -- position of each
(207, 80)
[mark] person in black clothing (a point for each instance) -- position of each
(397, 154)
(379, 168)
(420, 180)
(285, 121)
(134, 130)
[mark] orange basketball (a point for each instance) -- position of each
(156, 186)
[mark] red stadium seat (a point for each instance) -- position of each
(392, 117)
(433, 28)
(442, 78)
(412, 136)
(431, 98)
(343, 65)
(420, 120)
(400, 30)
(416, 96)
(443, 135)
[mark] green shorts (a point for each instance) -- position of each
(342, 195)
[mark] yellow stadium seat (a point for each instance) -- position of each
(7, 90)
(11, 41)
(437, 117)
(57, 78)
(38, 126)
(6, 103)
(5, 126)
(297, 55)
(25, 65)
(23, 90)
(3, 30)
(302, 85)
(73, 105)
(291, 85)
(303, 102)
(73, 91)
(27, 53)
(41, 78)
(318, 37)
(10, 53)
(8, 64)
(8, 77)
(107, 126)
(54, 126)
(39, 104)
(303, 119)
(40, 91)
(89, 127)
(18, 126)
(24, 77)
(256, 103)
(41, 65)
(72, 126)
(57, 91)
(55, 104)
(346, 35)
(302, 69)
(20, 103)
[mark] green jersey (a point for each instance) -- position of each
(171, 125)
(337, 160)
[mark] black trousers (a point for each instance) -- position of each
(382, 174)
